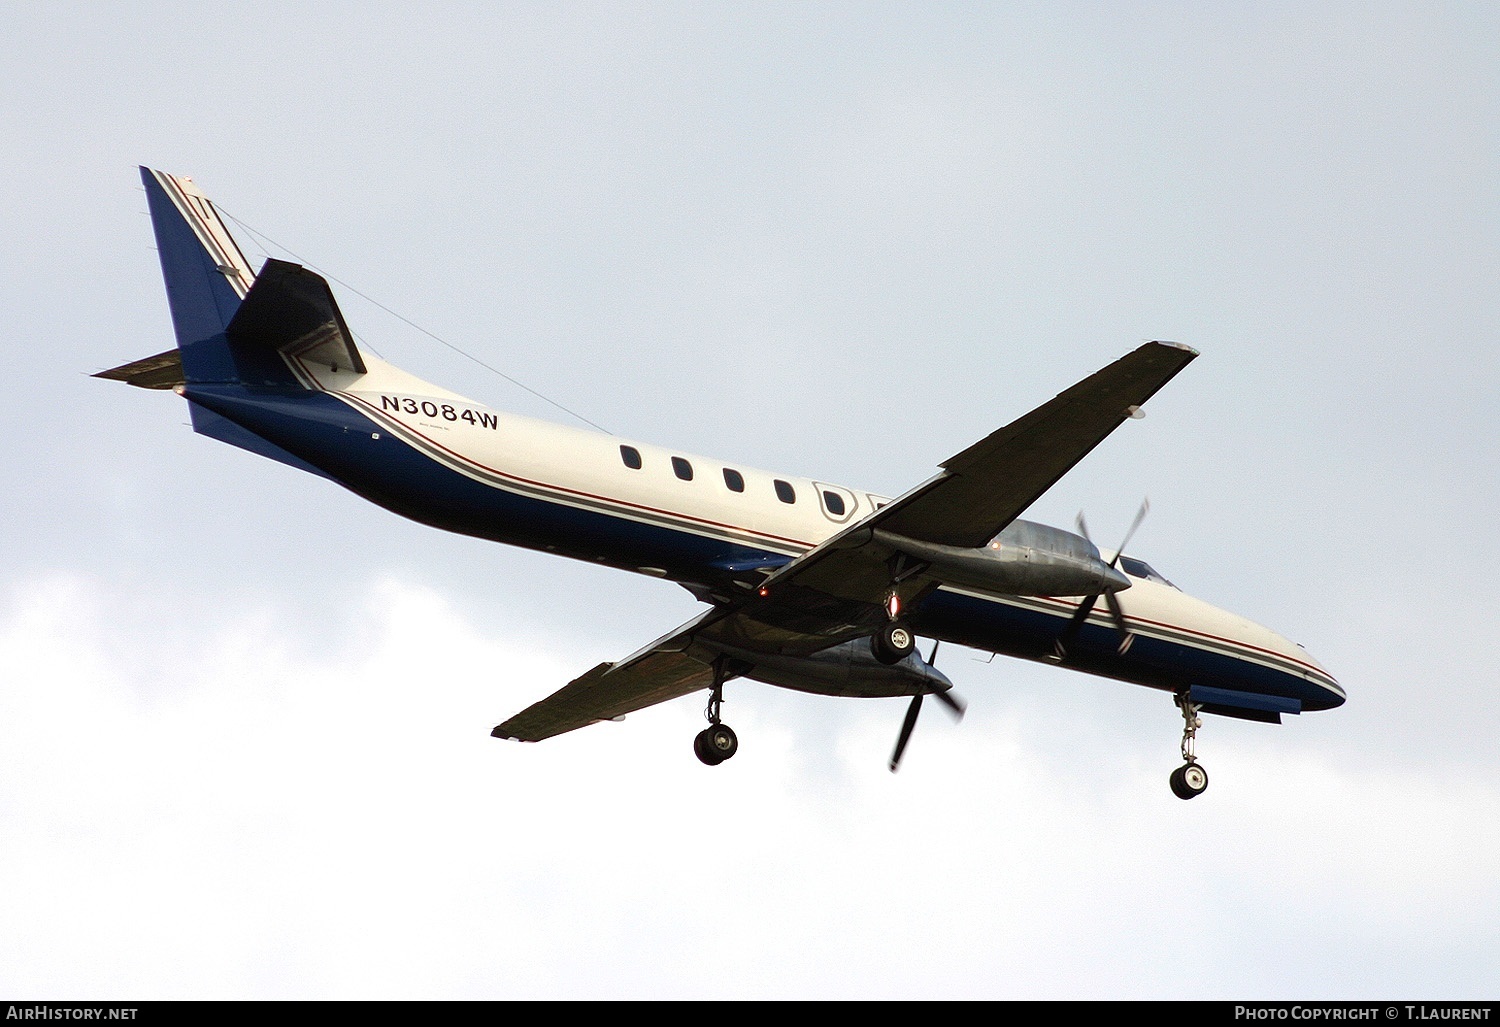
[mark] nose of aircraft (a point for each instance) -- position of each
(1331, 693)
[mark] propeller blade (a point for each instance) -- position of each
(1118, 612)
(1060, 647)
(906, 726)
(953, 702)
(1139, 517)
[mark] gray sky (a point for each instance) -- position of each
(244, 717)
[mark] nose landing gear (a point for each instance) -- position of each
(715, 744)
(1189, 780)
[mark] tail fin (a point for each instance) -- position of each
(206, 273)
(207, 276)
(233, 327)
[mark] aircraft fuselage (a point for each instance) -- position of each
(446, 461)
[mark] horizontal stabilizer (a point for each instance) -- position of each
(163, 371)
(289, 311)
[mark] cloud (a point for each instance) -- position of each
(239, 803)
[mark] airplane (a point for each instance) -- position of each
(808, 584)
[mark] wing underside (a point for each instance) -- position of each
(604, 694)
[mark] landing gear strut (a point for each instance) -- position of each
(717, 742)
(893, 641)
(1189, 780)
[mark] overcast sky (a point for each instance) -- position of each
(244, 716)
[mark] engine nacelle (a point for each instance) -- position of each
(847, 669)
(1026, 559)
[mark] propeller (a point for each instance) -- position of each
(945, 697)
(1070, 633)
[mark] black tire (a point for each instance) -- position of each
(1189, 781)
(893, 643)
(701, 749)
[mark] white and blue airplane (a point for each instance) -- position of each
(809, 585)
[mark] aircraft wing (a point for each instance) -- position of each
(605, 693)
(989, 484)
(985, 487)
(662, 670)
(680, 662)
(837, 589)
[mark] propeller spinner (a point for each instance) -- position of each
(1116, 611)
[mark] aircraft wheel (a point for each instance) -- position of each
(721, 740)
(893, 643)
(701, 750)
(715, 744)
(1189, 780)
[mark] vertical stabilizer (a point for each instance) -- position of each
(231, 340)
(206, 273)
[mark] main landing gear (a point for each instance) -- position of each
(717, 742)
(1189, 780)
(893, 641)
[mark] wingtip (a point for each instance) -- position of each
(1176, 345)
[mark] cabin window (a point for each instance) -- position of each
(734, 480)
(631, 456)
(682, 468)
(785, 492)
(834, 502)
